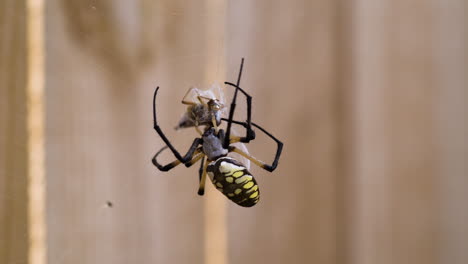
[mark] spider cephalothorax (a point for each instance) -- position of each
(228, 175)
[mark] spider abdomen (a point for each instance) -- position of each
(234, 180)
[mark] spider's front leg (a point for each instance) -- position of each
(197, 155)
(250, 134)
(187, 157)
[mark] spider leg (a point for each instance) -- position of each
(200, 171)
(256, 161)
(194, 160)
(201, 187)
(198, 155)
(192, 149)
(233, 107)
(250, 134)
(279, 149)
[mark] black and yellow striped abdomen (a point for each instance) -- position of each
(232, 179)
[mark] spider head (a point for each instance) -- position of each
(209, 132)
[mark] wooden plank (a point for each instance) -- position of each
(105, 59)
(13, 133)
(399, 76)
(369, 198)
(344, 130)
(290, 71)
(35, 125)
(215, 218)
(450, 108)
(378, 180)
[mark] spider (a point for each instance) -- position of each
(227, 174)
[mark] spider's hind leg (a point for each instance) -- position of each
(257, 162)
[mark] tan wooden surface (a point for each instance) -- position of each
(369, 98)
(403, 158)
(290, 71)
(451, 42)
(395, 151)
(215, 205)
(35, 89)
(13, 133)
(102, 72)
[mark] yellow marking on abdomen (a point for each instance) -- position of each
(252, 189)
(238, 174)
(255, 194)
(248, 185)
(244, 178)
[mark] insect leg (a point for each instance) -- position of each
(200, 99)
(195, 143)
(201, 188)
(197, 128)
(213, 122)
(188, 102)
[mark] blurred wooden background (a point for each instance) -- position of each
(368, 96)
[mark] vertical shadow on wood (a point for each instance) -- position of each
(96, 28)
(13, 133)
(344, 127)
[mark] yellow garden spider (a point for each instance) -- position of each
(228, 175)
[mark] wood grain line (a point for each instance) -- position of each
(35, 122)
(215, 204)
